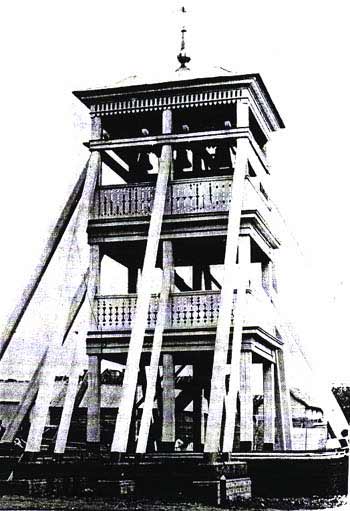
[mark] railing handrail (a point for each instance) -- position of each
(194, 292)
(172, 182)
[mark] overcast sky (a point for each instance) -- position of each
(300, 48)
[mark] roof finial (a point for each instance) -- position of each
(182, 57)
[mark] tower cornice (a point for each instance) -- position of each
(180, 94)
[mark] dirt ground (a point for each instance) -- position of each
(12, 503)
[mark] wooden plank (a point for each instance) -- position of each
(217, 393)
(52, 243)
(121, 433)
(167, 283)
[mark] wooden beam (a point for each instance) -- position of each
(121, 433)
(170, 138)
(52, 243)
(167, 283)
(217, 393)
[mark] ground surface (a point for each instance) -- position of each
(95, 504)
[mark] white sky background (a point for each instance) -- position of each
(301, 49)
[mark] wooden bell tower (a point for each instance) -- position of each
(190, 205)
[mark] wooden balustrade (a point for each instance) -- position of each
(187, 310)
(186, 196)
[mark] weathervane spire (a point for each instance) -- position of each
(182, 57)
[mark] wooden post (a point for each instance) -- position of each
(167, 284)
(269, 406)
(197, 272)
(242, 106)
(197, 406)
(168, 423)
(96, 127)
(217, 392)
(132, 279)
(207, 278)
(93, 429)
(244, 256)
(93, 285)
(283, 406)
(246, 399)
(121, 433)
(266, 269)
(47, 254)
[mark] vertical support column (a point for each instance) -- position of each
(244, 257)
(242, 109)
(269, 406)
(132, 279)
(197, 406)
(96, 127)
(266, 268)
(197, 272)
(274, 277)
(93, 286)
(283, 406)
(207, 278)
(93, 429)
(217, 392)
(167, 286)
(168, 425)
(121, 433)
(246, 399)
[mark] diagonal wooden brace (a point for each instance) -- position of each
(122, 427)
(217, 390)
(168, 265)
(47, 380)
(50, 248)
